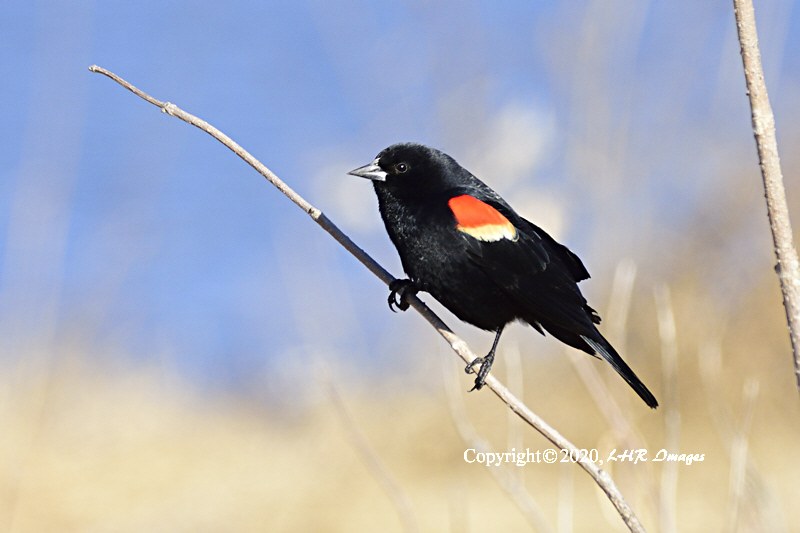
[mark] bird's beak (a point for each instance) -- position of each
(371, 172)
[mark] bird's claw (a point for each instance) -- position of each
(483, 371)
(399, 291)
(476, 361)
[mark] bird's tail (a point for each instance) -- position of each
(604, 348)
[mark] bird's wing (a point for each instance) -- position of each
(570, 260)
(523, 260)
(488, 224)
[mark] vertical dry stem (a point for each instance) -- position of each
(668, 498)
(788, 268)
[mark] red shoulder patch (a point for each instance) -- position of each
(480, 220)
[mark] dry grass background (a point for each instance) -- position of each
(137, 450)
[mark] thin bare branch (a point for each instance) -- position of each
(739, 456)
(788, 267)
(601, 477)
(616, 318)
(758, 495)
(507, 478)
(668, 501)
(516, 384)
(566, 500)
(372, 461)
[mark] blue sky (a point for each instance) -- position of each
(126, 231)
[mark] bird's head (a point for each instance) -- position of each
(410, 167)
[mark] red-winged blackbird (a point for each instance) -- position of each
(462, 243)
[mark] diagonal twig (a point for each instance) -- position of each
(601, 477)
(371, 460)
(788, 267)
(509, 479)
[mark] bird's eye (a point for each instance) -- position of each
(401, 168)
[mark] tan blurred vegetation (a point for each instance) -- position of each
(137, 450)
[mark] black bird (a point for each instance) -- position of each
(462, 243)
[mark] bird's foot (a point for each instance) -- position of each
(483, 371)
(485, 362)
(399, 291)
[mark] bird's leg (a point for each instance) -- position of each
(399, 291)
(485, 362)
